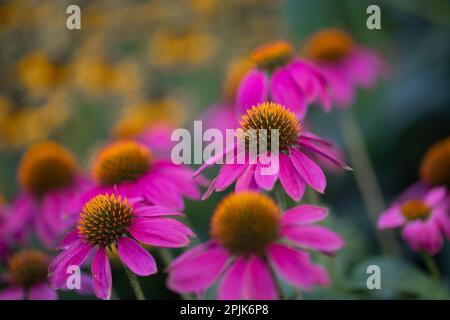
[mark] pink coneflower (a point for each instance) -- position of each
(252, 240)
(345, 65)
(283, 78)
(425, 220)
(296, 169)
(27, 277)
(51, 182)
(128, 168)
(114, 224)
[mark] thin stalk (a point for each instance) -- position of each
(366, 179)
(431, 265)
(134, 282)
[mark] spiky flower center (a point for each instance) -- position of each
(246, 222)
(415, 209)
(28, 267)
(122, 161)
(260, 120)
(46, 166)
(104, 219)
(435, 167)
(272, 55)
(329, 45)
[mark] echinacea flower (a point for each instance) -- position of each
(129, 168)
(296, 168)
(51, 182)
(27, 277)
(435, 166)
(252, 241)
(282, 78)
(114, 224)
(425, 220)
(345, 64)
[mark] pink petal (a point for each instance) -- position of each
(198, 272)
(286, 92)
(435, 196)
(155, 211)
(423, 236)
(391, 218)
(258, 283)
(231, 286)
(12, 293)
(321, 152)
(135, 257)
(314, 237)
(101, 275)
(309, 170)
(162, 193)
(266, 179)
(69, 239)
(228, 174)
(245, 181)
(42, 292)
(292, 183)
(296, 267)
(160, 232)
(304, 214)
(252, 90)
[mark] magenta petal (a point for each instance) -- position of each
(304, 214)
(12, 293)
(435, 196)
(231, 286)
(252, 90)
(258, 283)
(266, 174)
(245, 181)
(101, 275)
(391, 218)
(69, 239)
(155, 211)
(135, 257)
(309, 170)
(199, 271)
(228, 174)
(162, 193)
(423, 236)
(296, 267)
(286, 92)
(314, 237)
(42, 292)
(322, 153)
(292, 183)
(160, 232)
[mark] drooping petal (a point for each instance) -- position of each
(135, 257)
(101, 275)
(423, 236)
(323, 153)
(292, 183)
(435, 196)
(231, 286)
(42, 291)
(391, 218)
(228, 174)
(199, 271)
(286, 92)
(160, 232)
(258, 282)
(304, 214)
(309, 170)
(313, 237)
(162, 193)
(69, 239)
(252, 90)
(296, 267)
(246, 180)
(267, 171)
(155, 211)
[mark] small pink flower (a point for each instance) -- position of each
(51, 184)
(344, 64)
(296, 169)
(252, 240)
(282, 78)
(425, 219)
(113, 224)
(129, 168)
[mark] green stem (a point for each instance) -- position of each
(280, 197)
(366, 179)
(167, 258)
(134, 284)
(431, 265)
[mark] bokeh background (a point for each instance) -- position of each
(135, 64)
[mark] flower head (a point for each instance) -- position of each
(251, 241)
(27, 277)
(291, 163)
(112, 223)
(281, 77)
(344, 63)
(425, 219)
(129, 168)
(435, 167)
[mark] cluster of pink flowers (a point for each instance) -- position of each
(133, 196)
